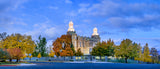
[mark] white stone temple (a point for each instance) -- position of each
(84, 43)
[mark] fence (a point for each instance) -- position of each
(81, 58)
(68, 58)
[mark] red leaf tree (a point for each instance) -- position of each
(15, 53)
(64, 40)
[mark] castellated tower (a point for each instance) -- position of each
(84, 43)
(95, 38)
(72, 32)
(95, 35)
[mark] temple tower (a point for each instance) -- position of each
(72, 32)
(95, 36)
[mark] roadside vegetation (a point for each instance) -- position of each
(18, 46)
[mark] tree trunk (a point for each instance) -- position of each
(100, 58)
(126, 59)
(64, 58)
(71, 57)
(91, 58)
(17, 60)
(10, 60)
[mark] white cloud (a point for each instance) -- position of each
(45, 30)
(8, 21)
(110, 8)
(51, 32)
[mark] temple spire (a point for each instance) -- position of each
(95, 31)
(70, 26)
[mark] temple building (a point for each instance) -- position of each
(84, 43)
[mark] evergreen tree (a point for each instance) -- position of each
(40, 47)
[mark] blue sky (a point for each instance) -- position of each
(138, 20)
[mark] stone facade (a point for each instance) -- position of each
(84, 43)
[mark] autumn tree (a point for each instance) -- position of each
(98, 49)
(23, 42)
(62, 46)
(15, 53)
(140, 54)
(154, 55)
(24, 56)
(39, 55)
(78, 52)
(146, 54)
(51, 54)
(110, 48)
(135, 50)
(103, 49)
(127, 49)
(67, 51)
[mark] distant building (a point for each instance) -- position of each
(84, 43)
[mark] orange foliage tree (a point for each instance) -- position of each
(62, 46)
(15, 53)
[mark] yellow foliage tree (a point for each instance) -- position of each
(24, 42)
(146, 54)
(30, 56)
(39, 55)
(51, 54)
(24, 56)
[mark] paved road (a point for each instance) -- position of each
(54, 65)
